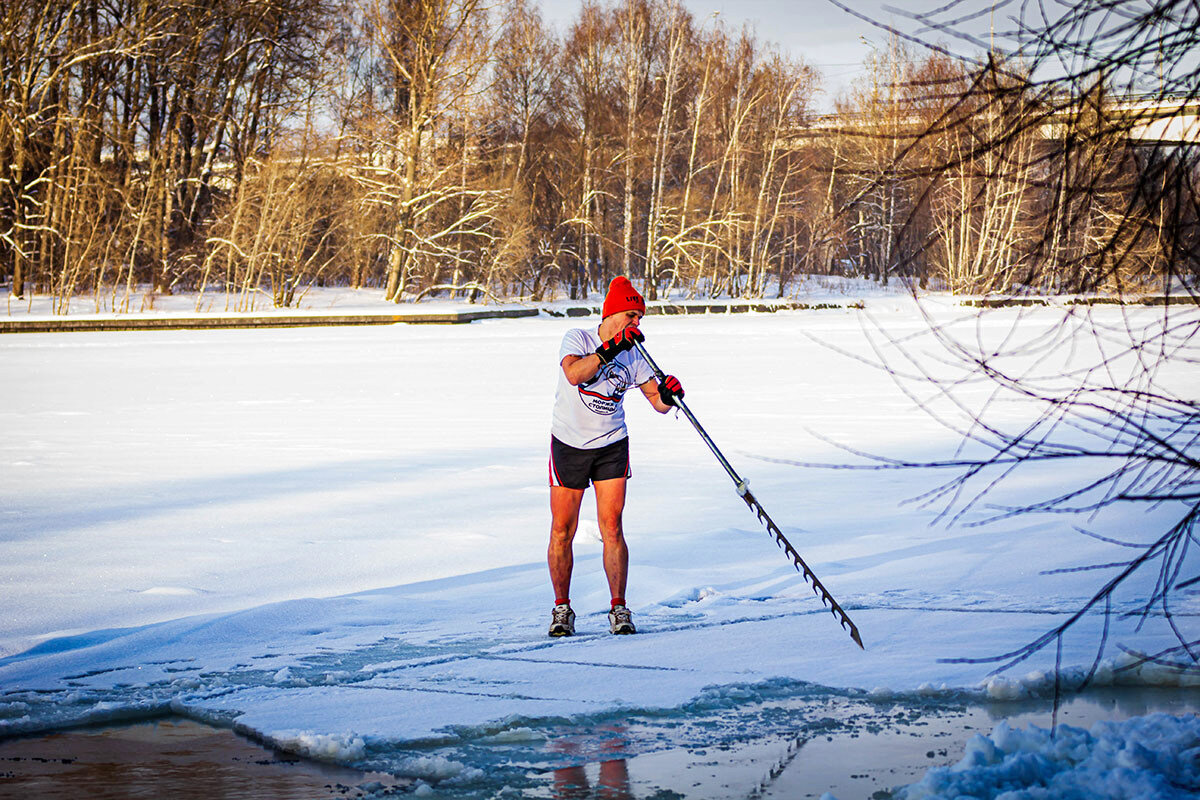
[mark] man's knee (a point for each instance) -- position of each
(610, 527)
(562, 533)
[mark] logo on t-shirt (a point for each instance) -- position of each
(603, 393)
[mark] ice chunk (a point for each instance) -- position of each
(1152, 756)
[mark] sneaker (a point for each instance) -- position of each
(562, 621)
(620, 620)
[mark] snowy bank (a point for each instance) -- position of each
(143, 302)
(1156, 757)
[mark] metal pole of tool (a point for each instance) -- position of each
(743, 490)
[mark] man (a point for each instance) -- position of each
(589, 443)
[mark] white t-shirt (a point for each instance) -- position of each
(590, 415)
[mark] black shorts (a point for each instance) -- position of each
(573, 468)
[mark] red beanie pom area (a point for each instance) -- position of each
(622, 297)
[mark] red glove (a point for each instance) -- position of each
(623, 341)
(669, 389)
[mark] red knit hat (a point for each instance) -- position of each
(622, 297)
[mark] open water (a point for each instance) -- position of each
(856, 748)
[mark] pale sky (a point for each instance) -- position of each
(836, 41)
(825, 36)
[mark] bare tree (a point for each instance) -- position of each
(432, 52)
(878, 160)
(526, 77)
(637, 43)
(981, 203)
(588, 68)
(788, 87)
(526, 98)
(678, 34)
(1068, 132)
(123, 122)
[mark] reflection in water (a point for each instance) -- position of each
(612, 783)
(571, 783)
(791, 748)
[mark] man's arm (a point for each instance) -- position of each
(650, 389)
(580, 368)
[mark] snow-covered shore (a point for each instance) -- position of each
(143, 302)
(333, 539)
(1153, 757)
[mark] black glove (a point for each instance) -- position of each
(669, 389)
(624, 340)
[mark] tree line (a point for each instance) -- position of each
(247, 150)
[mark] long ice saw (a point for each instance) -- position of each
(743, 490)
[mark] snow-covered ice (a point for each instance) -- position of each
(333, 539)
(1155, 757)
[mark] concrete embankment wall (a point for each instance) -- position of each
(214, 322)
(296, 320)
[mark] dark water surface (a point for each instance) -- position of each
(171, 759)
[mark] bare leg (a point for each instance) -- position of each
(610, 505)
(564, 513)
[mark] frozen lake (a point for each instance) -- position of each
(333, 541)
